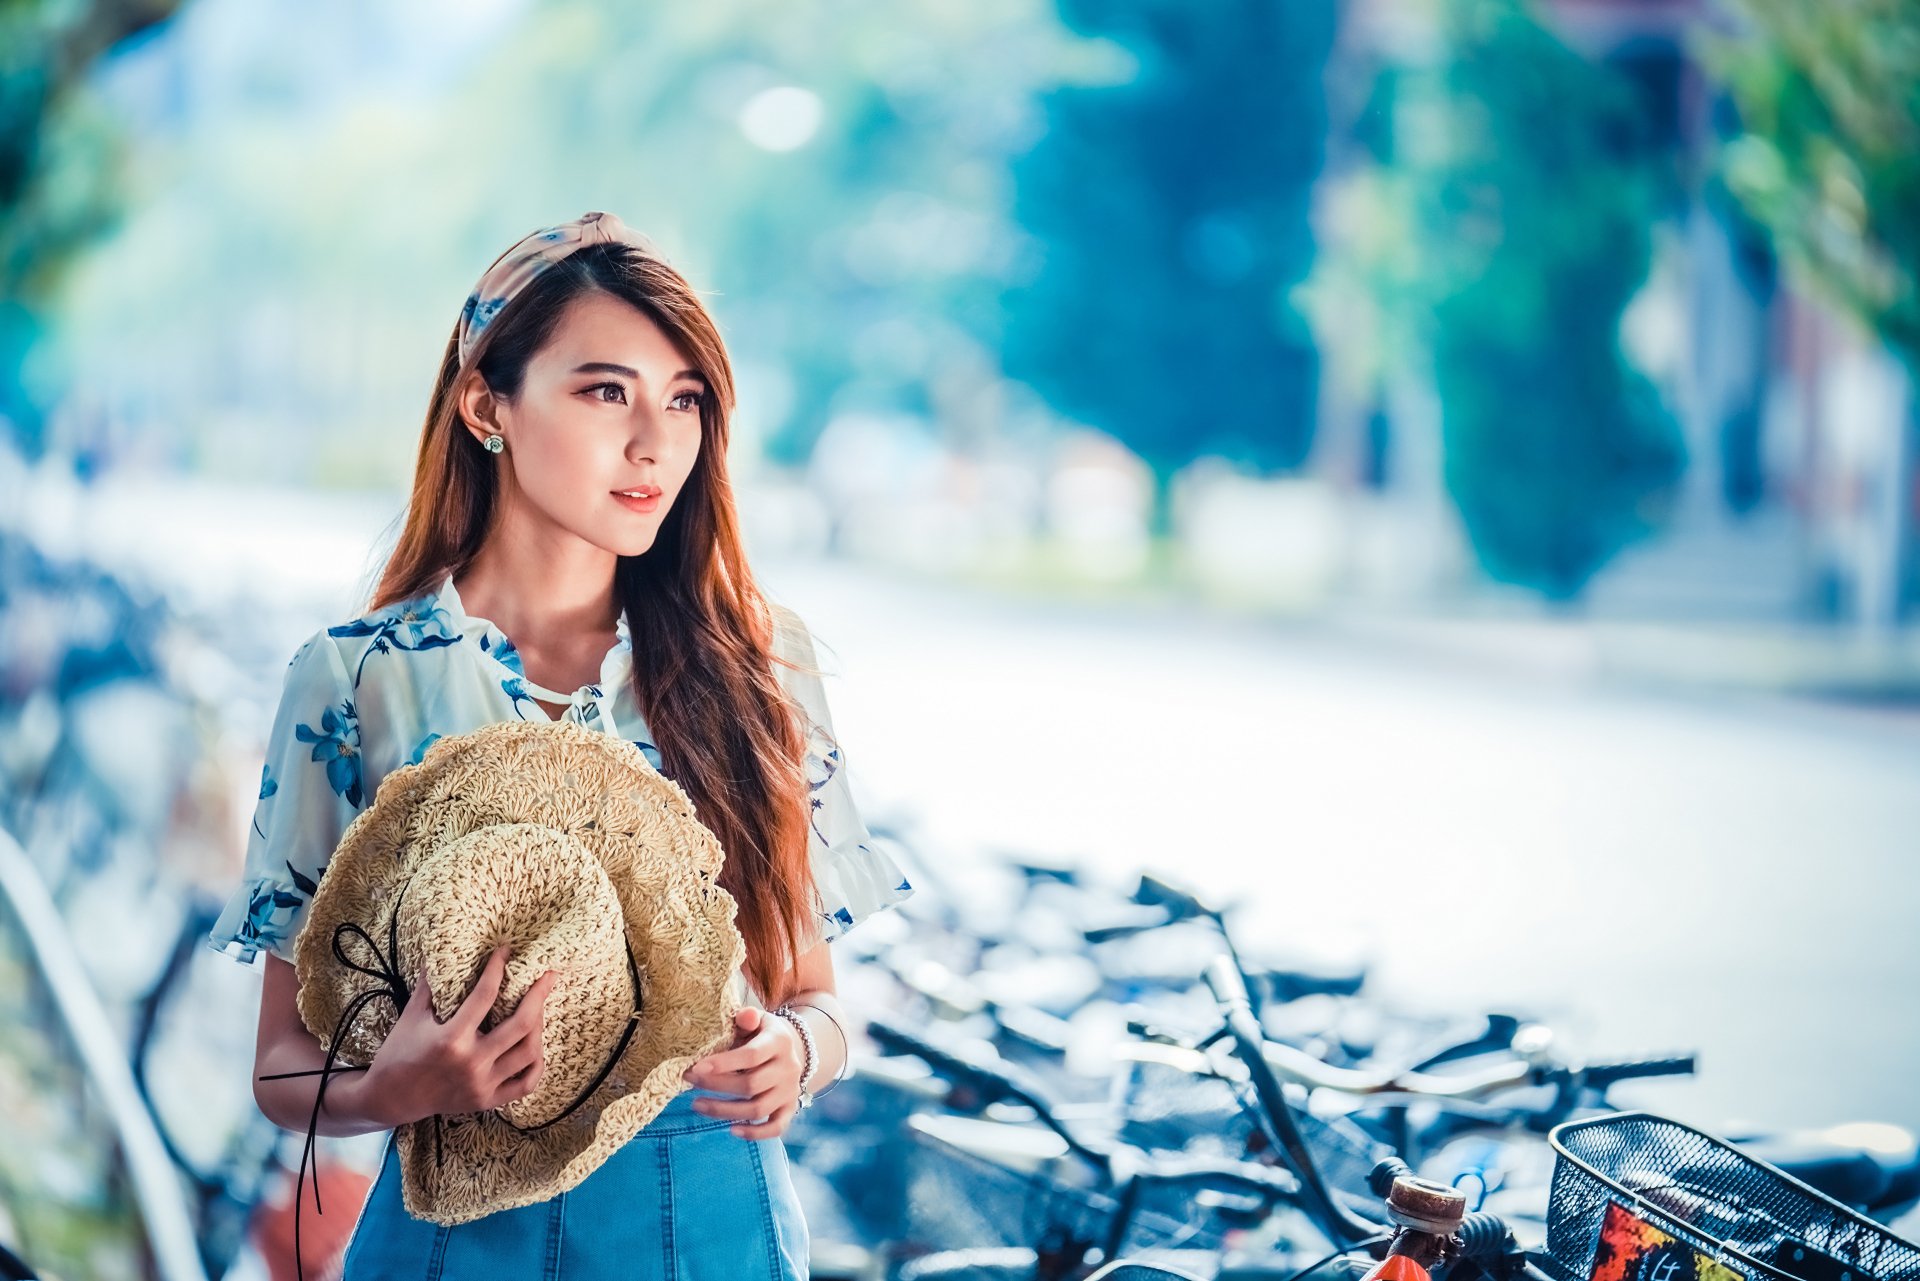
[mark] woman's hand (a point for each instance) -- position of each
(426, 1068)
(762, 1067)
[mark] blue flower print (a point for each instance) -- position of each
(821, 767)
(516, 689)
(480, 314)
(331, 744)
(269, 910)
(420, 751)
(268, 786)
(504, 652)
(823, 758)
(406, 625)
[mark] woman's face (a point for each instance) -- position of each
(610, 408)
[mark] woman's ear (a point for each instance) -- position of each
(479, 408)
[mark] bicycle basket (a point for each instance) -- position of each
(1629, 1185)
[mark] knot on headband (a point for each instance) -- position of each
(517, 268)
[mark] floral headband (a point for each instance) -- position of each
(517, 267)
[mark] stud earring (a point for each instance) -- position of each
(495, 443)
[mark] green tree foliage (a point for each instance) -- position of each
(859, 267)
(1498, 240)
(1828, 156)
(59, 167)
(1168, 206)
(1557, 451)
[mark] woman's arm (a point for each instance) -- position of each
(424, 1067)
(816, 1000)
(283, 1044)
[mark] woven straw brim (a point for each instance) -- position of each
(662, 863)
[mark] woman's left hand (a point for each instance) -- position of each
(762, 1068)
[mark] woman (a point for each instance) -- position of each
(571, 528)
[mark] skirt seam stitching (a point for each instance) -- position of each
(672, 1271)
(556, 1229)
(774, 1268)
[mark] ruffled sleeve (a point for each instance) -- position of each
(854, 876)
(311, 787)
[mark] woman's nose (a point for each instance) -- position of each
(646, 434)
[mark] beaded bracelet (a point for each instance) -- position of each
(846, 1047)
(792, 1015)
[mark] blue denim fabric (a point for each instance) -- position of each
(683, 1200)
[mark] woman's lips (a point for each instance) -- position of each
(647, 504)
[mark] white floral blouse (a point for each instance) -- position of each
(365, 697)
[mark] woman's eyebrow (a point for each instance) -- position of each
(607, 367)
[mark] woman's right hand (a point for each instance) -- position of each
(426, 1068)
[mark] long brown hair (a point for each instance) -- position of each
(702, 632)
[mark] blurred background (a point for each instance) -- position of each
(1442, 474)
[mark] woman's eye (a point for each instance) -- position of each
(695, 396)
(616, 386)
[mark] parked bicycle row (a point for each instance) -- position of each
(1033, 1115)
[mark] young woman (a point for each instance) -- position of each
(571, 550)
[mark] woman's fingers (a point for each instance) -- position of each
(730, 1070)
(773, 1104)
(774, 1126)
(749, 1084)
(517, 1058)
(745, 1057)
(517, 1086)
(749, 1108)
(530, 1015)
(485, 989)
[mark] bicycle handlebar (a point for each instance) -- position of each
(1304, 1069)
(1602, 1075)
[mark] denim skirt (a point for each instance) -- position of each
(682, 1200)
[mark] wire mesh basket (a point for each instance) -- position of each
(1637, 1197)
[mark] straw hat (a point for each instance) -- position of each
(567, 845)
